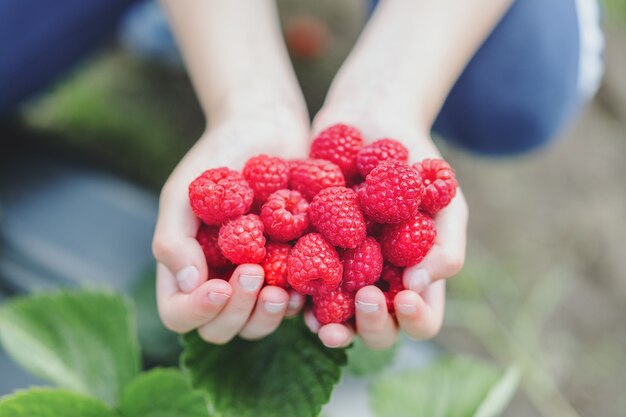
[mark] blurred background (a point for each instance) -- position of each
(544, 286)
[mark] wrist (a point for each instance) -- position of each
(246, 102)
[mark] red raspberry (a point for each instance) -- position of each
(311, 176)
(219, 195)
(339, 144)
(334, 306)
(275, 264)
(285, 215)
(207, 238)
(266, 174)
(407, 243)
(222, 273)
(392, 193)
(391, 284)
(440, 183)
(241, 240)
(313, 264)
(371, 155)
(362, 266)
(335, 212)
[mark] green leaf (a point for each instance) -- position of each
(363, 361)
(289, 373)
(451, 387)
(83, 341)
(158, 344)
(46, 402)
(162, 393)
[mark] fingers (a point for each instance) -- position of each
(174, 244)
(373, 322)
(181, 312)
(447, 256)
(296, 302)
(421, 316)
(268, 313)
(246, 282)
(333, 335)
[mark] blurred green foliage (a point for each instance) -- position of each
(140, 119)
(615, 10)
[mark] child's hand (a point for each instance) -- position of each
(221, 309)
(420, 308)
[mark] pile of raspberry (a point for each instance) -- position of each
(349, 216)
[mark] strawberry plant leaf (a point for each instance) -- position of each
(162, 393)
(289, 373)
(364, 362)
(450, 387)
(46, 402)
(84, 341)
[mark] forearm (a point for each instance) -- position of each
(412, 51)
(234, 53)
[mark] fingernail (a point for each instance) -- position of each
(187, 278)
(419, 280)
(407, 308)
(336, 340)
(274, 307)
(295, 300)
(367, 307)
(218, 298)
(250, 283)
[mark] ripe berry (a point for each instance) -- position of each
(334, 306)
(407, 243)
(207, 238)
(362, 266)
(392, 193)
(440, 183)
(311, 176)
(241, 240)
(339, 144)
(312, 264)
(219, 195)
(285, 215)
(266, 174)
(275, 264)
(391, 284)
(335, 212)
(371, 155)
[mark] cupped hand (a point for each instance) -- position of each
(420, 307)
(221, 309)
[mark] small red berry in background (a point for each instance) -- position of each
(307, 37)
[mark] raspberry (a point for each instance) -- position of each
(334, 306)
(219, 195)
(407, 243)
(335, 212)
(392, 193)
(275, 264)
(371, 155)
(391, 284)
(339, 144)
(311, 176)
(440, 183)
(313, 264)
(222, 273)
(241, 240)
(207, 238)
(285, 215)
(266, 174)
(362, 266)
